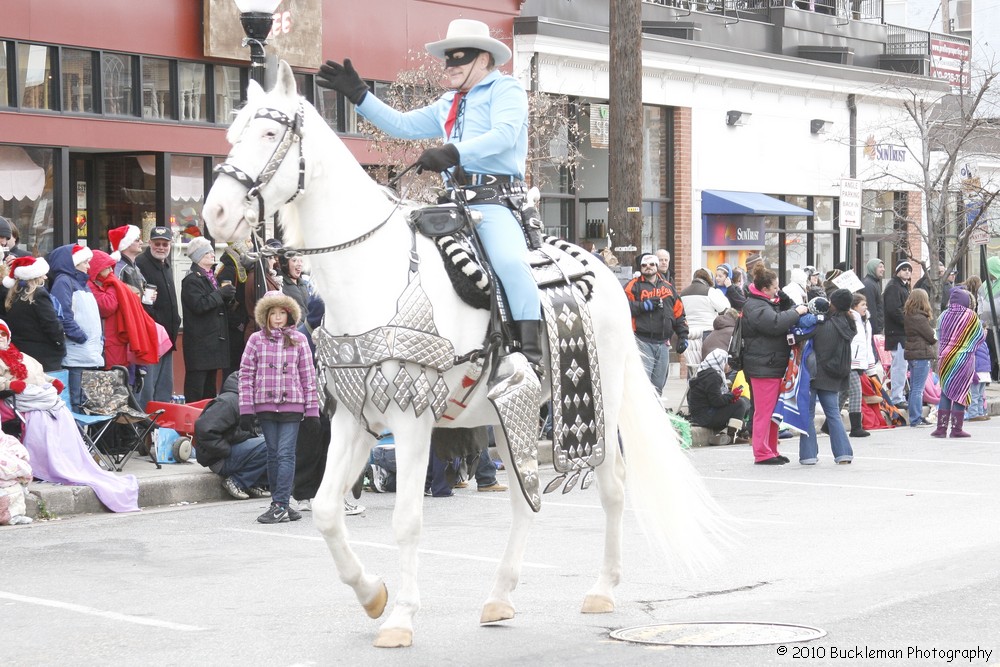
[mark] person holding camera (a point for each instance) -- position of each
(205, 304)
(657, 314)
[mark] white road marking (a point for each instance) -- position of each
(91, 611)
(389, 547)
(843, 486)
(742, 452)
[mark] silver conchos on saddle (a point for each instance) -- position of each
(410, 337)
(577, 407)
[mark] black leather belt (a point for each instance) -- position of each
(468, 179)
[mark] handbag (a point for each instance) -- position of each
(737, 346)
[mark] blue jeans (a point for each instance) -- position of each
(486, 472)
(897, 373)
(976, 407)
(656, 361)
(280, 438)
(247, 463)
(504, 243)
(75, 388)
(839, 443)
(919, 370)
(159, 382)
(948, 405)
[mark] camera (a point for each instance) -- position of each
(791, 339)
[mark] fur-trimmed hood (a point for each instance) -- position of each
(275, 299)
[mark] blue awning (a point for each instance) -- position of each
(726, 202)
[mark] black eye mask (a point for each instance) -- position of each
(458, 57)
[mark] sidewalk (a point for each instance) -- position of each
(191, 483)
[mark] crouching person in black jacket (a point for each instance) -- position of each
(237, 455)
(712, 404)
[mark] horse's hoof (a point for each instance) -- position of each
(393, 638)
(597, 604)
(376, 605)
(494, 612)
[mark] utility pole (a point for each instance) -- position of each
(625, 131)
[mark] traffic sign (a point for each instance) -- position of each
(979, 236)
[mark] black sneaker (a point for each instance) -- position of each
(274, 514)
(294, 515)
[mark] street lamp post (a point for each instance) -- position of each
(257, 17)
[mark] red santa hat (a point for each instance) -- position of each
(81, 254)
(25, 268)
(121, 238)
(5, 328)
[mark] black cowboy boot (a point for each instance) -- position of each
(529, 332)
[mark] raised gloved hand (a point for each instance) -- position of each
(246, 422)
(58, 385)
(807, 320)
(343, 79)
(682, 345)
(648, 305)
(17, 386)
(228, 292)
(438, 159)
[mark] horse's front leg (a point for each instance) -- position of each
(412, 449)
(499, 606)
(349, 447)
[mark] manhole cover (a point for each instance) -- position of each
(721, 633)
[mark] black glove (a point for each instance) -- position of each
(682, 345)
(228, 292)
(246, 422)
(438, 159)
(343, 79)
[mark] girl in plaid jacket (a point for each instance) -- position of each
(278, 385)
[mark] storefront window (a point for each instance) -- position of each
(34, 76)
(556, 214)
(187, 189)
(4, 78)
(654, 148)
(191, 79)
(326, 105)
(26, 194)
(116, 73)
(77, 73)
(157, 95)
(227, 93)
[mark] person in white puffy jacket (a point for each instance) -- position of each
(862, 358)
(703, 302)
(796, 289)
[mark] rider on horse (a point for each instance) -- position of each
(484, 121)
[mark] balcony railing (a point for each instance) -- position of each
(859, 10)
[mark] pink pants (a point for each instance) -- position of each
(765, 432)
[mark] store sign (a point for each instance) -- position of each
(732, 231)
(600, 126)
(296, 33)
(850, 203)
(877, 152)
(951, 61)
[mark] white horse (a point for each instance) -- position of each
(337, 203)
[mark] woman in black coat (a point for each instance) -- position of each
(711, 403)
(765, 358)
(829, 366)
(206, 324)
(38, 333)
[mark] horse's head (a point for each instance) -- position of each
(264, 169)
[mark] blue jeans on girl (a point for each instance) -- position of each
(920, 369)
(280, 438)
(839, 443)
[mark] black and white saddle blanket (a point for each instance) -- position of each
(565, 281)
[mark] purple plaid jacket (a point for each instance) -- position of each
(275, 378)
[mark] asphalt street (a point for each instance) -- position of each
(896, 552)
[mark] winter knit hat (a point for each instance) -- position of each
(725, 267)
(841, 300)
(832, 273)
(872, 265)
(121, 238)
(25, 268)
(903, 265)
(198, 248)
(276, 299)
(5, 328)
(959, 297)
(5, 231)
(799, 277)
(81, 254)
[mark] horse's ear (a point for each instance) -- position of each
(254, 91)
(285, 84)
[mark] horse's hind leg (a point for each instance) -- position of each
(349, 449)
(611, 488)
(498, 606)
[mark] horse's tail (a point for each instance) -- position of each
(672, 503)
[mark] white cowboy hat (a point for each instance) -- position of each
(470, 34)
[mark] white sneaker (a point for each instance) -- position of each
(351, 510)
(380, 478)
(293, 503)
(305, 505)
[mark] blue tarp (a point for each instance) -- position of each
(726, 202)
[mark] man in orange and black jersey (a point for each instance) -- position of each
(657, 314)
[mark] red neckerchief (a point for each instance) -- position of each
(449, 122)
(14, 360)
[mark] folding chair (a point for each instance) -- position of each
(112, 423)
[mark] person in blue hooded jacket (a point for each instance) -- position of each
(78, 314)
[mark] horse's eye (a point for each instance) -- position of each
(270, 134)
